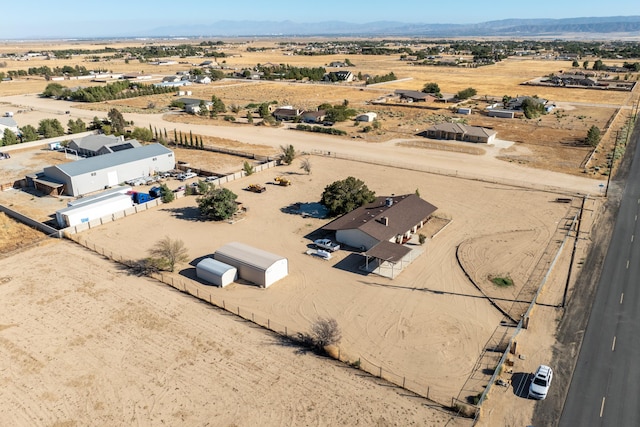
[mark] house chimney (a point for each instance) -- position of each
(385, 221)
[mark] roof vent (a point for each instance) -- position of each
(388, 201)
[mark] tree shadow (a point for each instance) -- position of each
(188, 213)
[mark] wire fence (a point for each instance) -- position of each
(195, 289)
(449, 172)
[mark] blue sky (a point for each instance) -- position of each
(74, 18)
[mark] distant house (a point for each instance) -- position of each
(381, 228)
(366, 117)
(314, 116)
(338, 64)
(516, 103)
(209, 64)
(96, 145)
(195, 105)
(414, 95)
(286, 113)
(137, 76)
(460, 132)
(172, 79)
(339, 76)
(204, 80)
(8, 123)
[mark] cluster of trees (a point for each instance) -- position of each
(320, 129)
(338, 113)
(380, 79)
(433, 89)
(466, 93)
(289, 72)
(115, 90)
(76, 126)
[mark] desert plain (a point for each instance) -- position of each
(85, 342)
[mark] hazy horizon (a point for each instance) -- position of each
(118, 18)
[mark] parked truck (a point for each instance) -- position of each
(140, 197)
(326, 244)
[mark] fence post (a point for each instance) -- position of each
(403, 378)
(253, 319)
(223, 305)
(268, 324)
(197, 296)
(380, 372)
(239, 311)
(285, 332)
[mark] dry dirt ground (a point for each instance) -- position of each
(428, 325)
(79, 330)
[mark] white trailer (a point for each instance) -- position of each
(75, 215)
(121, 189)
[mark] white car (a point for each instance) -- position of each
(540, 383)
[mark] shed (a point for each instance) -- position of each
(466, 111)
(254, 265)
(216, 272)
(367, 117)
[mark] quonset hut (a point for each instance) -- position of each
(254, 265)
(215, 272)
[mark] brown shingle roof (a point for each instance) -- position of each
(382, 221)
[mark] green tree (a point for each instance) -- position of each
(263, 110)
(288, 153)
(170, 252)
(248, 168)
(599, 65)
(532, 107)
(50, 128)
(575, 64)
(166, 194)
(346, 195)
(466, 93)
(249, 117)
(29, 133)
(117, 121)
(432, 88)
(76, 126)
(217, 204)
(218, 106)
(142, 134)
(55, 90)
(585, 65)
(593, 136)
(9, 137)
(96, 123)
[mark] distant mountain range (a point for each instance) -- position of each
(620, 25)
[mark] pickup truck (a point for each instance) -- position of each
(187, 175)
(326, 244)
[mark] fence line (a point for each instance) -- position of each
(198, 291)
(445, 172)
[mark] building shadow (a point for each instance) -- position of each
(520, 382)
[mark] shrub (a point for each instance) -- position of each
(502, 282)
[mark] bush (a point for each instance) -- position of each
(502, 282)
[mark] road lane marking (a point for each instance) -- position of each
(621, 297)
(627, 264)
(613, 346)
(632, 237)
(602, 407)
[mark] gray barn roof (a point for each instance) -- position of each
(83, 166)
(96, 142)
(248, 255)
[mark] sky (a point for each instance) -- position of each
(31, 19)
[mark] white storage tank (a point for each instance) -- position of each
(216, 272)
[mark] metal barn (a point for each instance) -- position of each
(216, 272)
(254, 265)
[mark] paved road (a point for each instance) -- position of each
(606, 386)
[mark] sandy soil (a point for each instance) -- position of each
(85, 343)
(100, 347)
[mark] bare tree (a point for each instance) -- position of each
(305, 165)
(324, 332)
(171, 251)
